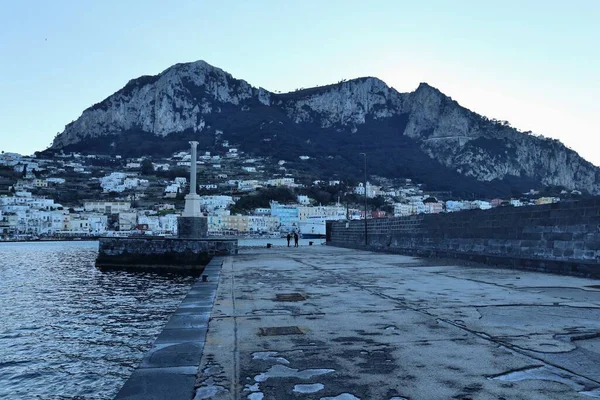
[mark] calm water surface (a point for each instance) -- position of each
(278, 242)
(69, 331)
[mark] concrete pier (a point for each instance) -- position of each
(159, 253)
(321, 322)
(330, 323)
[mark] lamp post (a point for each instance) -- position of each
(365, 187)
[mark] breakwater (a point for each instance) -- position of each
(159, 253)
(561, 237)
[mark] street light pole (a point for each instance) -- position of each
(365, 187)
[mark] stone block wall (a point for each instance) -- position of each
(192, 227)
(562, 237)
(159, 253)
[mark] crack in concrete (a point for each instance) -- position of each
(479, 334)
(235, 389)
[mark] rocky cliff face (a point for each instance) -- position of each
(174, 101)
(199, 99)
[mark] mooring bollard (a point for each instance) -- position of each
(269, 245)
(310, 243)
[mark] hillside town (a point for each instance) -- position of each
(76, 195)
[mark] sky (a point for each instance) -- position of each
(533, 63)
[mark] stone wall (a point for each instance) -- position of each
(154, 253)
(561, 237)
(192, 227)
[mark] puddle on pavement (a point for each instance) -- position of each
(252, 388)
(548, 373)
(280, 371)
(269, 356)
(343, 396)
(591, 393)
(270, 312)
(309, 388)
(209, 391)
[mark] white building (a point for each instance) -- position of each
(212, 203)
(483, 205)
(181, 180)
(457, 205)
(113, 182)
(288, 182)
(372, 190)
(261, 223)
(329, 213)
(401, 209)
(40, 183)
(161, 167)
(303, 199)
(127, 221)
(248, 185)
(107, 207)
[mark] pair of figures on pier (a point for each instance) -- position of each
(289, 237)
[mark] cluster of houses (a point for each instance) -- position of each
(121, 181)
(423, 204)
(23, 213)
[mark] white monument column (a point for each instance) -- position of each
(192, 200)
(193, 167)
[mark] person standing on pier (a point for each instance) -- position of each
(289, 237)
(295, 239)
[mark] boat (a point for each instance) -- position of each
(312, 228)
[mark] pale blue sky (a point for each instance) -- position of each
(533, 63)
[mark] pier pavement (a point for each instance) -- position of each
(319, 322)
(329, 323)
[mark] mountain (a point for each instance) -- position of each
(424, 135)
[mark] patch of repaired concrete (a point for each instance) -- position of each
(308, 388)
(549, 373)
(269, 356)
(280, 371)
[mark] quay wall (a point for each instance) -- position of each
(169, 369)
(560, 237)
(147, 253)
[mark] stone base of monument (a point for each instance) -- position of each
(152, 253)
(192, 227)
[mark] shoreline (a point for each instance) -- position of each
(275, 242)
(75, 239)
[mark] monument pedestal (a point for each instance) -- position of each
(192, 224)
(192, 227)
(192, 206)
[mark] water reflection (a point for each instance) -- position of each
(69, 331)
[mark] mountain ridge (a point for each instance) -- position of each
(199, 100)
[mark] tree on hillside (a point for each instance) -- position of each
(376, 202)
(147, 167)
(262, 199)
